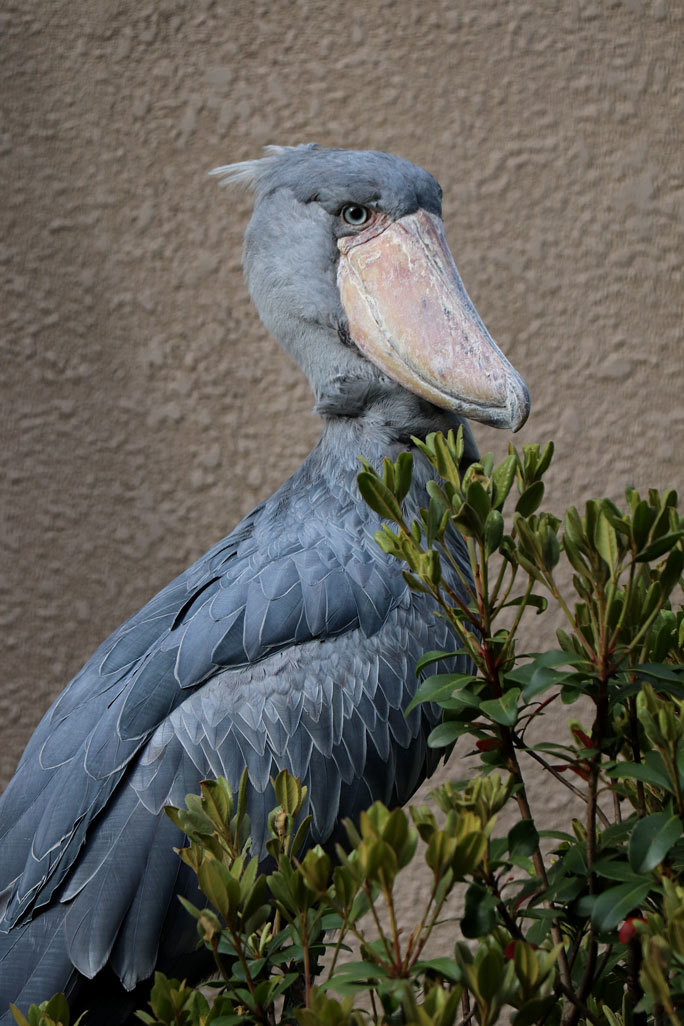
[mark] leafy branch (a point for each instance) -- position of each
(579, 926)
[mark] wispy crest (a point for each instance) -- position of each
(252, 172)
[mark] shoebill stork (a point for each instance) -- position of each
(292, 643)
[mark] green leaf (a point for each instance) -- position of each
(58, 1009)
(534, 1010)
(672, 571)
(436, 492)
(315, 868)
(545, 459)
(576, 560)
(467, 521)
(573, 529)
(300, 835)
(217, 801)
(541, 925)
(434, 656)
(651, 771)
(541, 672)
(445, 734)
(537, 602)
(469, 854)
(642, 519)
(606, 540)
(567, 890)
(480, 912)
(189, 907)
(19, 1017)
(503, 710)
(388, 473)
(575, 860)
(438, 686)
(446, 967)
(435, 523)
(463, 700)
(278, 987)
(651, 839)
(489, 973)
(659, 547)
(558, 835)
(615, 904)
(478, 500)
(493, 531)
(360, 970)
(378, 496)
(531, 499)
(242, 796)
(415, 583)
(673, 674)
(523, 838)
(502, 480)
(456, 443)
(615, 869)
(389, 542)
(550, 546)
(222, 889)
(445, 461)
(288, 792)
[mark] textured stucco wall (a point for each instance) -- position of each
(144, 409)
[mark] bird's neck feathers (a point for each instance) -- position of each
(336, 460)
(362, 409)
(378, 418)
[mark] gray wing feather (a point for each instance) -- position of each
(136, 948)
(234, 664)
(22, 976)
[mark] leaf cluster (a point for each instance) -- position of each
(622, 649)
(583, 925)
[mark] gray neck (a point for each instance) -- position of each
(382, 423)
(355, 399)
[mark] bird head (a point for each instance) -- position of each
(348, 264)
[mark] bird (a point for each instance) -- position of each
(292, 643)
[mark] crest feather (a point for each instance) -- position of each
(252, 172)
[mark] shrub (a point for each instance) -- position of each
(584, 925)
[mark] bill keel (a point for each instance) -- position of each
(408, 313)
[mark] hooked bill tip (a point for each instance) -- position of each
(518, 403)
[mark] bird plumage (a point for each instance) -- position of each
(290, 644)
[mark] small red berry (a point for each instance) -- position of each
(509, 950)
(628, 930)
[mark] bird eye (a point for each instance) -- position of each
(355, 215)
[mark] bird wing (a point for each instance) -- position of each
(331, 713)
(284, 577)
(291, 644)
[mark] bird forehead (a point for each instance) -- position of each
(332, 177)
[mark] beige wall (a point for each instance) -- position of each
(144, 410)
